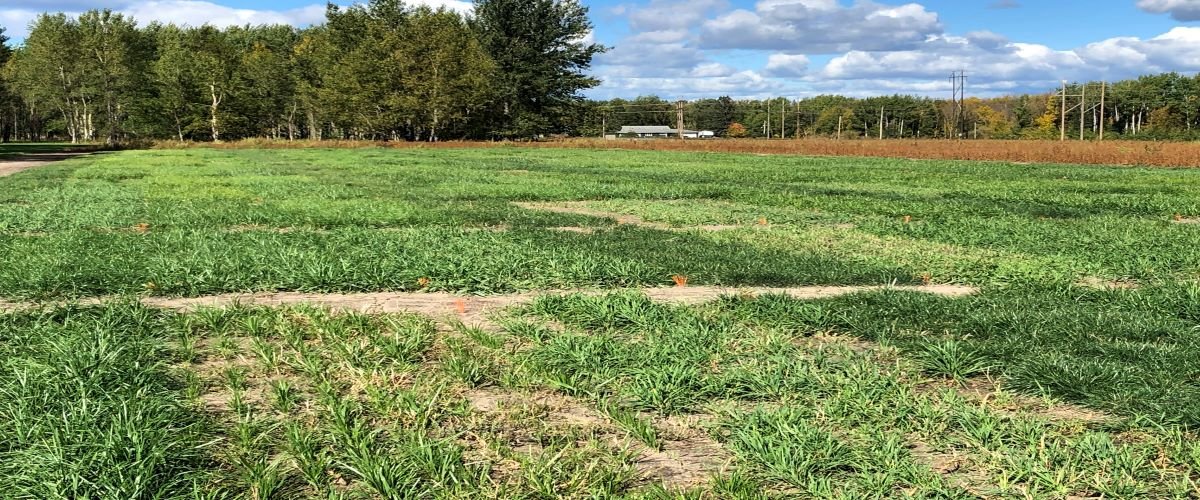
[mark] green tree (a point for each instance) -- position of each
(49, 71)
(114, 66)
(541, 51)
(266, 99)
(8, 100)
(177, 93)
(214, 64)
(446, 78)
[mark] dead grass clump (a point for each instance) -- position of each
(575, 229)
(688, 457)
(1096, 283)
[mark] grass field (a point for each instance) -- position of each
(1071, 372)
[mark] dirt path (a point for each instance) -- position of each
(33, 160)
(471, 308)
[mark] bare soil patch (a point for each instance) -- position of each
(685, 463)
(575, 208)
(469, 308)
(575, 229)
(251, 228)
(1106, 284)
(698, 295)
(32, 161)
(11, 167)
(578, 208)
(688, 457)
(1186, 220)
(989, 392)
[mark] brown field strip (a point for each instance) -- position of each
(1127, 153)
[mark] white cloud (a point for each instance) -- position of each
(652, 58)
(197, 12)
(16, 15)
(16, 21)
(1180, 10)
(787, 65)
(996, 66)
(821, 27)
(740, 84)
(660, 15)
(712, 70)
(937, 57)
(1122, 57)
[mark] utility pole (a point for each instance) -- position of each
(1062, 129)
(782, 118)
(797, 119)
(958, 97)
(1082, 110)
(679, 118)
(881, 123)
(839, 127)
(604, 126)
(1103, 87)
(768, 118)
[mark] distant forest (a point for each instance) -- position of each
(1160, 107)
(514, 69)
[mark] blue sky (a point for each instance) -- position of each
(798, 48)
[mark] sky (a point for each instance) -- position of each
(687, 49)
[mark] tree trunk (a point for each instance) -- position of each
(291, 123)
(178, 125)
(216, 104)
(314, 128)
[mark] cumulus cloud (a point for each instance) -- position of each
(16, 21)
(739, 84)
(1002, 65)
(652, 57)
(16, 14)
(821, 27)
(52, 5)
(1123, 57)
(786, 65)
(660, 15)
(984, 57)
(197, 12)
(1180, 10)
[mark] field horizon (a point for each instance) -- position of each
(1135, 153)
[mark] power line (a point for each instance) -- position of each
(958, 97)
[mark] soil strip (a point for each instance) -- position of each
(438, 303)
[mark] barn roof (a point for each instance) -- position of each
(646, 129)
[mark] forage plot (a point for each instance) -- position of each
(834, 419)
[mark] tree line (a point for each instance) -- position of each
(513, 69)
(382, 70)
(1161, 107)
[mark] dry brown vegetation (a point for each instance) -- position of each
(1140, 153)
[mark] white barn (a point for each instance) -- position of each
(662, 131)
